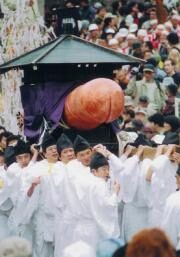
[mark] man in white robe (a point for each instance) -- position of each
(8, 187)
(163, 183)
(18, 173)
(90, 213)
(171, 221)
(41, 197)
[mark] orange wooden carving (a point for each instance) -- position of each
(96, 102)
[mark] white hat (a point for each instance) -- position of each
(93, 27)
(160, 27)
(112, 42)
(110, 31)
(123, 32)
(128, 100)
(141, 110)
(110, 15)
(133, 28)
(176, 17)
(142, 32)
(153, 22)
(98, 5)
(129, 20)
(168, 24)
(131, 36)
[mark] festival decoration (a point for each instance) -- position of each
(94, 103)
(21, 30)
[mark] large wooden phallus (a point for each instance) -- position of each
(94, 103)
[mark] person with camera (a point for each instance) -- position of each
(147, 86)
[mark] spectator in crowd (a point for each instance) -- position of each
(169, 67)
(174, 50)
(169, 108)
(152, 242)
(147, 86)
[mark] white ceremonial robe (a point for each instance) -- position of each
(134, 193)
(163, 184)
(90, 212)
(5, 203)
(171, 219)
(43, 210)
(20, 178)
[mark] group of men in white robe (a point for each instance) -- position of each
(78, 193)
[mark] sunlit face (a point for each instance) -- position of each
(51, 153)
(147, 55)
(23, 159)
(102, 12)
(168, 67)
(148, 75)
(153, 15)
(12, 142)
(140, 116)
(84, 156)
(3, 142)
(102, 172)
(1, 160)
(94, 33)
(67, 155)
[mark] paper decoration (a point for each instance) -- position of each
(21, 30)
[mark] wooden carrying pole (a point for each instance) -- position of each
(150, 152)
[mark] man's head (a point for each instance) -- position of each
(171, 123)
(49, 148)
(175, 20)
(22, 153)
(169, 66)
(148, 72)
(99, 166)
(94, 30)
(144, 101)
(141, 114)
(3, 139)
(2, 129)
(171, 90)
(156, 121)
(153, 14)
(65, 149)
(82, 150)
(12, 140)
(128, 115)
(173, 38)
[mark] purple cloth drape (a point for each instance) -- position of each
(43, 100)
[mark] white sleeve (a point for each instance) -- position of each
(129, 179)
(104, 208)
(116, 165)
(170, 221)
(25, 208)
